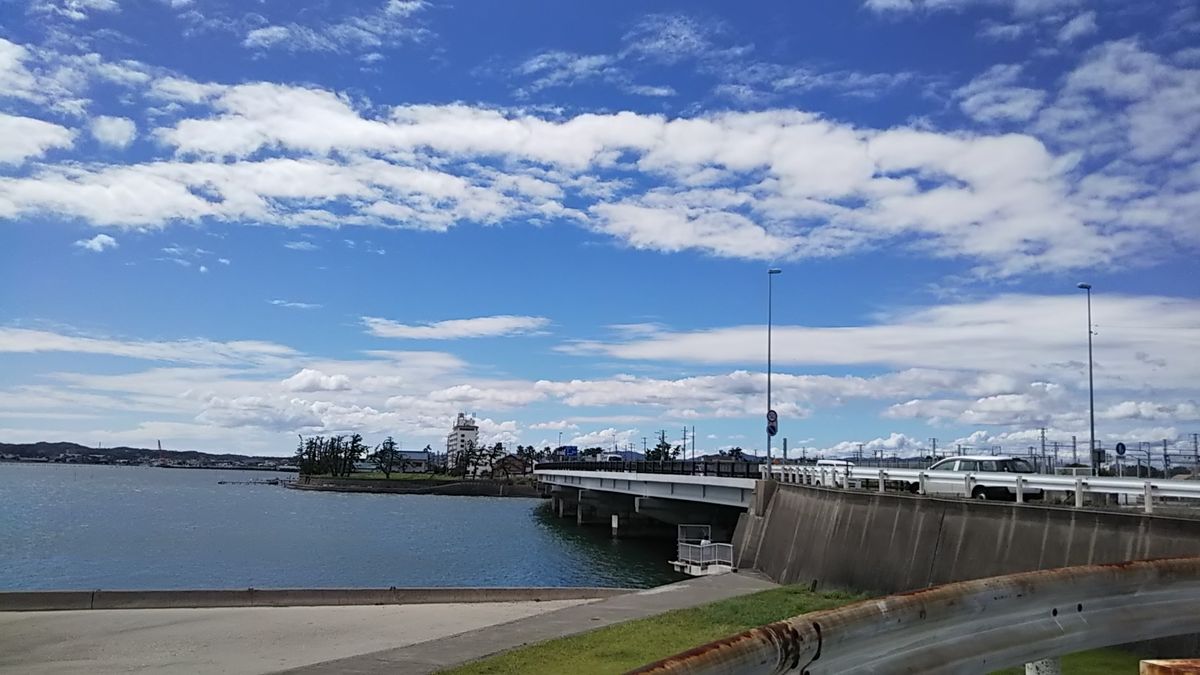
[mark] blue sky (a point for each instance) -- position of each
(224, 224)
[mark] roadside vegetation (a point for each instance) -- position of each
(618, 648)
(622, 647)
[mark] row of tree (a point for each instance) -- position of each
(335, 455)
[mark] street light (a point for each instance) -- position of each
(1091, 382)
(770, 279)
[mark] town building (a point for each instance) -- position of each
(462, 441)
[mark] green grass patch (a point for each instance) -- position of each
(1095, 662)
(624, 646)
(618, 648)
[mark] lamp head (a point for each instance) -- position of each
(774, 270)
(1084, 286)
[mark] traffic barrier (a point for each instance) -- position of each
(967, 627)
(29, 601)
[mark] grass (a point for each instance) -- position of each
(621, 647)
(1095, 662)
(624, 646)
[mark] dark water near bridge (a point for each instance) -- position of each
(86, 527)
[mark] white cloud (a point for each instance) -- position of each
(995, 97)
(669, 37)
(558, 425)
(76, 10)
(1145, 345)
(389, 24)
(116, 132)
(25, 137)
(1016, 7)
(1082, 25)
(301, 245)
(23, 340)
(484, 326)
(292, 305)
(314, 380)
(97, 243)
(266, 37)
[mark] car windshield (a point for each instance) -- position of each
(1016, 466)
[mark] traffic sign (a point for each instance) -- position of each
(772, 428)
(1120, 449)
(772, 416)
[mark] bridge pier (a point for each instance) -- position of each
(564, 501)
(677, 512)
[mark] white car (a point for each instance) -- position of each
(954, 485)
(830, 466)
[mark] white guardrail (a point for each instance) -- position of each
(1021, 485)
(706, 554)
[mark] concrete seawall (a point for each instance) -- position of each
(470, 488)
(893, 542)
(29, 601)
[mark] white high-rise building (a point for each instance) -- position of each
(465, 435)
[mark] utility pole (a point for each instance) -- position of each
(1043, 430)
(1074, 451)
(933, 447)
(785, 450)
(1166, 461)
(1195, 455)
(643, 446)
(693, 442)
(859, 456)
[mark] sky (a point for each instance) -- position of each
(223, 224)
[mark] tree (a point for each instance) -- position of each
(592, 452)
(385, 457)
(737, 453)
(662, 451)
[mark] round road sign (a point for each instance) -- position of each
(772, 429)
(1120, 449)
(772, 416)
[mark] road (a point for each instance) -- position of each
(232, 640)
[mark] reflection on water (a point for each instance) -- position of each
(139, 527)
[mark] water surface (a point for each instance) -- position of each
(67, 526)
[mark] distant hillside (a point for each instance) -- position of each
(52, 450)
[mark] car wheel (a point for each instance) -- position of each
(979, 493)
(914, 488)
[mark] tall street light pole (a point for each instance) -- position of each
(1091, 383)
(770, 279)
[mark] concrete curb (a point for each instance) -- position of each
(31, 601)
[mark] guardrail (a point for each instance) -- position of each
(967, 627)
(1019, 484)
(685, 468)
(705, 554)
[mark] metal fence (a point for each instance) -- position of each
(705, 554)
(686, 468)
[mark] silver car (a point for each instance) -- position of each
(978, 464)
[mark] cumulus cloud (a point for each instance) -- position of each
(995, 96)
(483, 326)
(309, 379)
(25, 137)
(98, 243)
(1080, 26)
(116, 132)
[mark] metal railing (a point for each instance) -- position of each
(684, 468)
(1019, 484)
(968, 627)
(705, 554)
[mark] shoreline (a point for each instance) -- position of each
(470, 488)
(67, 600)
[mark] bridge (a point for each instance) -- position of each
(885, 530)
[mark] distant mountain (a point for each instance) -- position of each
(52, 450)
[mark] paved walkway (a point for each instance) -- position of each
(436, 654)
(243, 640)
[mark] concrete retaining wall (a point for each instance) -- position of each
(893, 542)
(27, 601)
(470, 488)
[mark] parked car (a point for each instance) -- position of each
(978, 464)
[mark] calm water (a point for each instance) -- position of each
(64, 526)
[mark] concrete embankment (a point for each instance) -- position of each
(468, 488)
(29, 601)
(893, 542)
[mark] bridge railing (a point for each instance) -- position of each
(1020, 484)
(686, 468)
(967, 627)
(697, 553)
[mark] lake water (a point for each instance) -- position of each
(86, 527)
